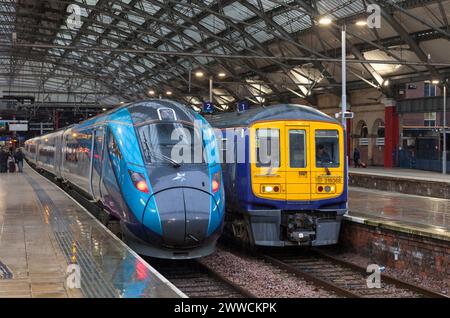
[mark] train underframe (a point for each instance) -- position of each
(286, 228)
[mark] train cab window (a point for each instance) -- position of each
(113, 147)
(171, 142)
(297, 148)
(327, 148)
(267, 147)
(167, 114)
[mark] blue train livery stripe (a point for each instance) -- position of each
(217, 201)
(128, 144)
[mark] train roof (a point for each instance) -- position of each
(275, 112)
(140, 111)
(146, 110)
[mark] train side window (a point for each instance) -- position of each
(267, 147)
(297, 148)
(327, 148)
(71, 151)
(113, 147)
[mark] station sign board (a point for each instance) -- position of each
(208, 107)
(18, 127)
(14, 125)
(242, 106)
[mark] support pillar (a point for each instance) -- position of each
(349, 131)
(391, 139)
(57, 115)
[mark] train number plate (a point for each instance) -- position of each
(328, 179)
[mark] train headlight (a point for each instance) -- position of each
(139, 181)
(215, 182)
(270, 188)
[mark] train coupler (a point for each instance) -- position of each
(302, 237)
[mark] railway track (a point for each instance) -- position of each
(344, 278)
(198, 281)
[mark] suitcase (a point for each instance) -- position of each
(12, 167)
(363, 165)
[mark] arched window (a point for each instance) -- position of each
(378, 128)
(362, 129)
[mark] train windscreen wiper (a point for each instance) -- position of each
(168, 159)
(325, 165)
(149, 152)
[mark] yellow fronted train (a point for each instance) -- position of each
(285, 175)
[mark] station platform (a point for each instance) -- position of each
(406, 233)
(408, 181)
(43, 231)
(403, 173)
(424, 216)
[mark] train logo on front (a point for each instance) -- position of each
(180, 176)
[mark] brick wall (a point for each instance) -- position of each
(402, 185)
(422, 255)
(419, 91)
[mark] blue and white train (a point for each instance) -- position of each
(122, 160)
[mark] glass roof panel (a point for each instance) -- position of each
(237, 12)
(213, 23)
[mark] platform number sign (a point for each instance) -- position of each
(243, 106)
(208, 107)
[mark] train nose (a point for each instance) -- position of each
(184, 215)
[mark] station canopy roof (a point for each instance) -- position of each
(103, 52)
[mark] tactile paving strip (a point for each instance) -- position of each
(93, 284)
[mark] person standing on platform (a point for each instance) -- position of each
(3, 161)
(356, 157)
(18, 156)
(11, 163)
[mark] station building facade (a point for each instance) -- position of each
(403, 131)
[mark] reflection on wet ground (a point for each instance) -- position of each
(402, 208)
(42, 231)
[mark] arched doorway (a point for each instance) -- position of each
(378, 144)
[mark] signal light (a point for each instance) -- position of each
(139, 181)
(215, 185)
(320, 189)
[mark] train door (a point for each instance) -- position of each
(58, 154)
(298, 163)
(328, 161)
(97, 162)
(268, 163)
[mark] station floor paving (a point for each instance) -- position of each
(410, 213)
(403, 173)
(43, 231)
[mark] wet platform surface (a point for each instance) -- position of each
(403, 173)
(43, 231)
(411, 213)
